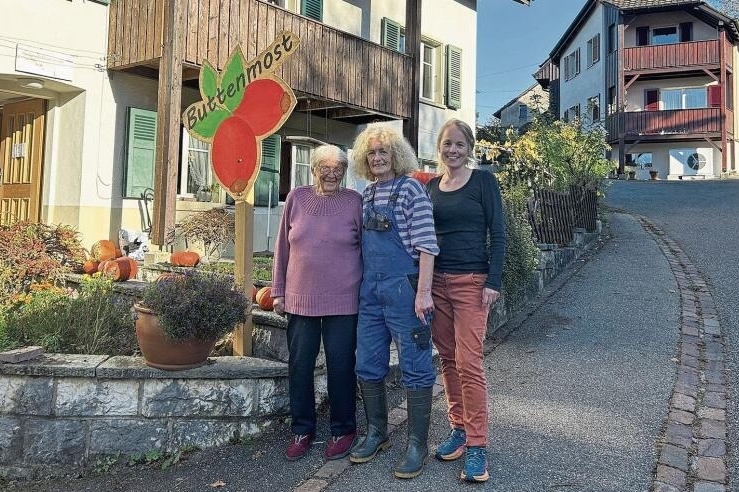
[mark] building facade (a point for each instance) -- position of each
(91, 109)
(659, 76)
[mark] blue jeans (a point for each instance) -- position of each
(304, 334)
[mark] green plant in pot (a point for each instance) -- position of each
(180, 317)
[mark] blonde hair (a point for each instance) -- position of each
(468, 134)
(403, 157)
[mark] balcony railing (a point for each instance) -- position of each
(678, 55)
(667, 122)
(329, 64)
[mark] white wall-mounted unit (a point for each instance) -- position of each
(691, 162)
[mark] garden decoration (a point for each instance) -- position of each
(240, 107)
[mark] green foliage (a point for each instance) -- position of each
(556, 154)
(521, 252)
(93, 320)
(261, 271)
(32, 253)
(196, 304)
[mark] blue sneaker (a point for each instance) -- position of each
(475, 465)
(453, 446)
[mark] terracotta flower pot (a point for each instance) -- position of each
(161, 352)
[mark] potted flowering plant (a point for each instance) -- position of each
(180, 317)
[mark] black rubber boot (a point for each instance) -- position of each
(374, 396)
(419, 414)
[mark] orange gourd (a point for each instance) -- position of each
(264, 299)
(121, 269)
(423, 176)
(184, 258)
(90, 266)
(105, 250)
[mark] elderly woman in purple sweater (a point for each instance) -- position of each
(315, 280)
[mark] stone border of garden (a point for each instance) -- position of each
(60, 411)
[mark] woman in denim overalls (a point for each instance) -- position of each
(395, 305)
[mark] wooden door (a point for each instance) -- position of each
(21, 159)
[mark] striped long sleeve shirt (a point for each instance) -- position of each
(413, 213)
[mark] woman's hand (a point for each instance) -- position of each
(278, 305)
(424, 306)
(489, 296)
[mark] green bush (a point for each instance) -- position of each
(92, 320)
(521, 252)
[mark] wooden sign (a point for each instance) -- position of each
(242, 106)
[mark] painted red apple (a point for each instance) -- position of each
(264, 104)
(234, 154)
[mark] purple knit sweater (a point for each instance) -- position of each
(318, 253)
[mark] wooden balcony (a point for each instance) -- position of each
(665, 124)
(345, 75)
(693, 54)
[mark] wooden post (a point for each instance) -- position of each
(169, 112)
(413, 48)
(244, 265)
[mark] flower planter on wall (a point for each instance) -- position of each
(161, 352)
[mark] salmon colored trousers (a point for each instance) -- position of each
(458, 331)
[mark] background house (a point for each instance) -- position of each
(522, 109)
(90, 109)
(659, 76)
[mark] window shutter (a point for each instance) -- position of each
(686, 31)
(141, 139)
(651, 99)
(714, 96)
(453, 77)
(391, 34)
(312, 9)
(269, 172)
(642, 36)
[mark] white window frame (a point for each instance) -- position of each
(296, 164)
(185, 166)
(431, 64)
(683, 97)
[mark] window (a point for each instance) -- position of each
(309, 8)
(594, 108)
(572, 64)
(612, 100)
(141, 138)
(523, 112)
(685, 98)
(612, 44)
(393, 36)
(664, 35)
(301, 168)
(572, 113)
(593, 50)
(429, 54)
(266, 187)
(195, 173)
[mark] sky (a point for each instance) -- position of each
(512, 41)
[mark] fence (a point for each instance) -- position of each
(553, 215)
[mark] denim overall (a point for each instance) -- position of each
(386, 305)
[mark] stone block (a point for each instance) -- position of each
(55, 441)
(10, 440)
(203, 433)
(129, 436)
(21, 354)
(56, 365)
(26, 396)
(274, 398)
(90, 397)
(203, 397)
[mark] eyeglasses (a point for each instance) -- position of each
(333, 171)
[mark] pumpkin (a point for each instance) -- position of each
(422, 176)
(121, 269)
(105, 250)
(184, 258)
(264, 299)
(90, 266)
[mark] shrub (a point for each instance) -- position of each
(32, 253)
(196, 304)
(93, 320)
(521, 253)
(214, 228)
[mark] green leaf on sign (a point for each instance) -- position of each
(234, 74)
(208, 81)
(205, 129)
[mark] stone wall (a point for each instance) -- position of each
(62, 412)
